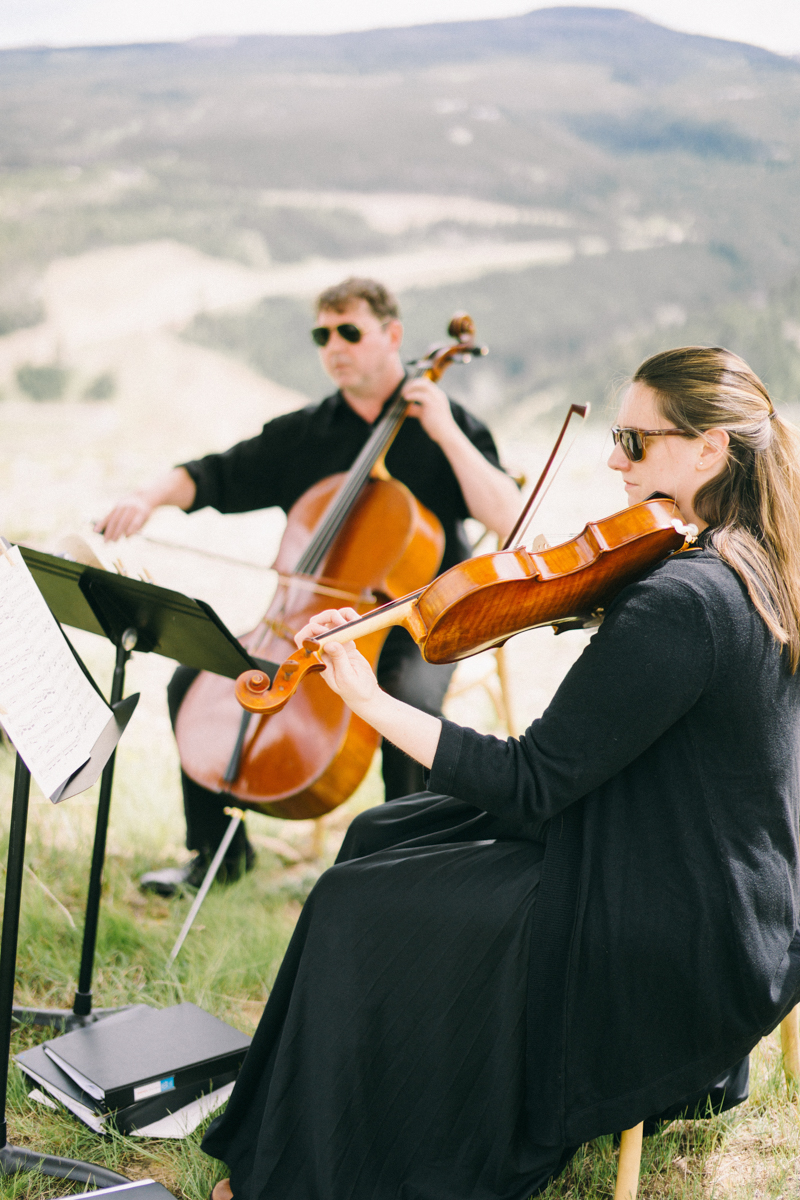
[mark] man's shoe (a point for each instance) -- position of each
(169, 881)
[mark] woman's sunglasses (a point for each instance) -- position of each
(633, 441)
(322, 334)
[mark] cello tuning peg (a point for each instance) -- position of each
(461, 326)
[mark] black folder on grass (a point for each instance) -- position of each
(135, 1118)
(146, 1053)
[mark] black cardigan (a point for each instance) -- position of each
(665, 772)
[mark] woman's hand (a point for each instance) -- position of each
(349, 675)
(347, 672)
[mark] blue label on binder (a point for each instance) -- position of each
(154, 1089)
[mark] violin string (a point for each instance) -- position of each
(369, 616)
(551, 481)
(320, 542)
(332, 521)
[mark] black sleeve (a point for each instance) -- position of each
(250, 474)
(645, 667)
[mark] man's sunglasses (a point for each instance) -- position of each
(633, 441)
(322, 334)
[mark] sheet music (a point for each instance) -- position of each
(48, 707)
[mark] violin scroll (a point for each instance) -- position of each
(255, 693)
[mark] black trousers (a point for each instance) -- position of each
(402, 672)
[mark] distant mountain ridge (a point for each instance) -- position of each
(612, 36)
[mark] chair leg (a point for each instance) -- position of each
(630, 1158)
(318, 839)
(505, 689)
(790, 1044)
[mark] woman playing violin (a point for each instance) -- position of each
(582, 928)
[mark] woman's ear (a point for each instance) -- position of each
(714, 449)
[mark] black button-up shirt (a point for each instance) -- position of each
(296, 450)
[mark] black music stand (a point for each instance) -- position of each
(19, 1158)
(132, 615)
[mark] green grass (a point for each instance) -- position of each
(226, 966)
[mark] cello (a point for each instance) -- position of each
(357, 538)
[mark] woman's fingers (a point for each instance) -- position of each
(347, 671)
(349, 674)
(324, 621)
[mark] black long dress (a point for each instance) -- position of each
(601, 923)
(424, 946)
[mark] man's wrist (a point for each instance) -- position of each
(148, 498)
(451, 438)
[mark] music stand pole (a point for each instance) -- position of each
(81, 1014)
(82, 1006)
(18, 1158)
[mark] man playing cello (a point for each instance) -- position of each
(446, 457)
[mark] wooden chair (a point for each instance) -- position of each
(630, 1146)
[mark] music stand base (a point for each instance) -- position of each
(18, 1158)
(63, 1019)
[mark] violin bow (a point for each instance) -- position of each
(580, 410)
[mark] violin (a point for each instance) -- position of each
(484, 601)
(355, 538)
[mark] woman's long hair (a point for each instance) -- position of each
(753, 505)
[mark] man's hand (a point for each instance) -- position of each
(125, 518)
(128, 517)
(347, 672)
(429, 404)
(491, 497)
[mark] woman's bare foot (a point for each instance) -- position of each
(222, 1191)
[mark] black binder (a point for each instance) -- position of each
(42, 1072)
(145, 1053)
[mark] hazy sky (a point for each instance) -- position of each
(771, 23)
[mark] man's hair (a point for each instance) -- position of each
(380, 299)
